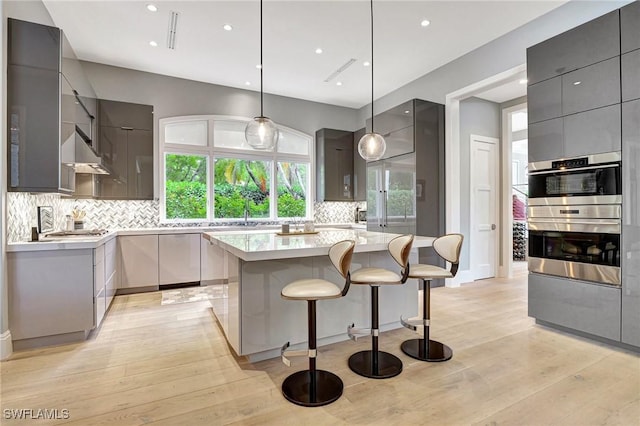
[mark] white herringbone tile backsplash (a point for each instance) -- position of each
(119, 214)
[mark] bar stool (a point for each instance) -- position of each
(312, 387)
(374, 363)
(448, 247)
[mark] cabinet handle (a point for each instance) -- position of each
(126, 128)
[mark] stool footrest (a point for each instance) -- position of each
(284, 354)
(412, 324)
(354, 332)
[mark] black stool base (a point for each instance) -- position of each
(297, 388)
(388, 365)
(438, 352)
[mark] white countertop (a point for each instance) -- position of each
(267, 245)
(86, 242)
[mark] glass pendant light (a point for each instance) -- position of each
(261, 132)
(372, 146)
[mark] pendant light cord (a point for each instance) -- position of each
(372, 131)
(261, 65)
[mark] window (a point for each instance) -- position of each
(210, 173)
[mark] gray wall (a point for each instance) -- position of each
(482, 118)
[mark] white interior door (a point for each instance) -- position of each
(484, 208)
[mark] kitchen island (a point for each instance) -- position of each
(257, 321)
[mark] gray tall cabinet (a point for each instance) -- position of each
(405, 189)
(584, 98)
(630, 46)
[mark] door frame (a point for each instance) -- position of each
(496, 203)
(452, 156)
(507, 172)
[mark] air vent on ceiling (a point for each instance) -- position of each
(173, 29)
(340, 70)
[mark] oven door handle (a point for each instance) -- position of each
(577, 169)
(568, 225)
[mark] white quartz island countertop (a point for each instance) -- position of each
(255, 245)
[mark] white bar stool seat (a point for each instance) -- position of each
(313, 387)
(448, 247)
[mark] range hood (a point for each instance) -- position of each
(78, 153)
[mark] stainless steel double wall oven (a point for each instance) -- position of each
(574, 215)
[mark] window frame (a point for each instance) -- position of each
(212, 153)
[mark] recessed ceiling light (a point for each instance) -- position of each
(575, 83)
(152, 8)
(153, 43)
(425, 23)
(523, 81)
(339, 83)
(247, 83)
(318, 50)
(366, 63)
(259, 66)
(407, 111)
(227, 27)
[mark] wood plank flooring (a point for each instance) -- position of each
(170, 365)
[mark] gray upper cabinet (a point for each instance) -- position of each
(396, 125)
(127, 115)
(630, 27)
(126, 145)
(34, 93)
(592, 132)
(546, 140)
(34, 45)
(334, 165)
(631, 223)
(545, 100)
(591, 87)
(359, 169)
(631, 75)
(592, 42)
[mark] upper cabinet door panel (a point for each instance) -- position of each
(592, 132)
(546, 140)
(587, 44)
(34, 45)
(544, 100)
(630, 27)
(631, 76)
(140, 164)
(33, 105)
(591, 87)
(359, 169)
(396, 118)
(399, 142)
(125, 114)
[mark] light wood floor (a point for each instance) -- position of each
(170, 365)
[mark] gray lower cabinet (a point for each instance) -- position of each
(631, 75)
(544, 100)
(546, 140)
(630, 261)
(582, 306)
(591, 87)
(592, 132)
(584, 45)
(630, 27)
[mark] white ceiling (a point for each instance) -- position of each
(118, 33)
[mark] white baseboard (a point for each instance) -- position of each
(461, 277)
(6, 346)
